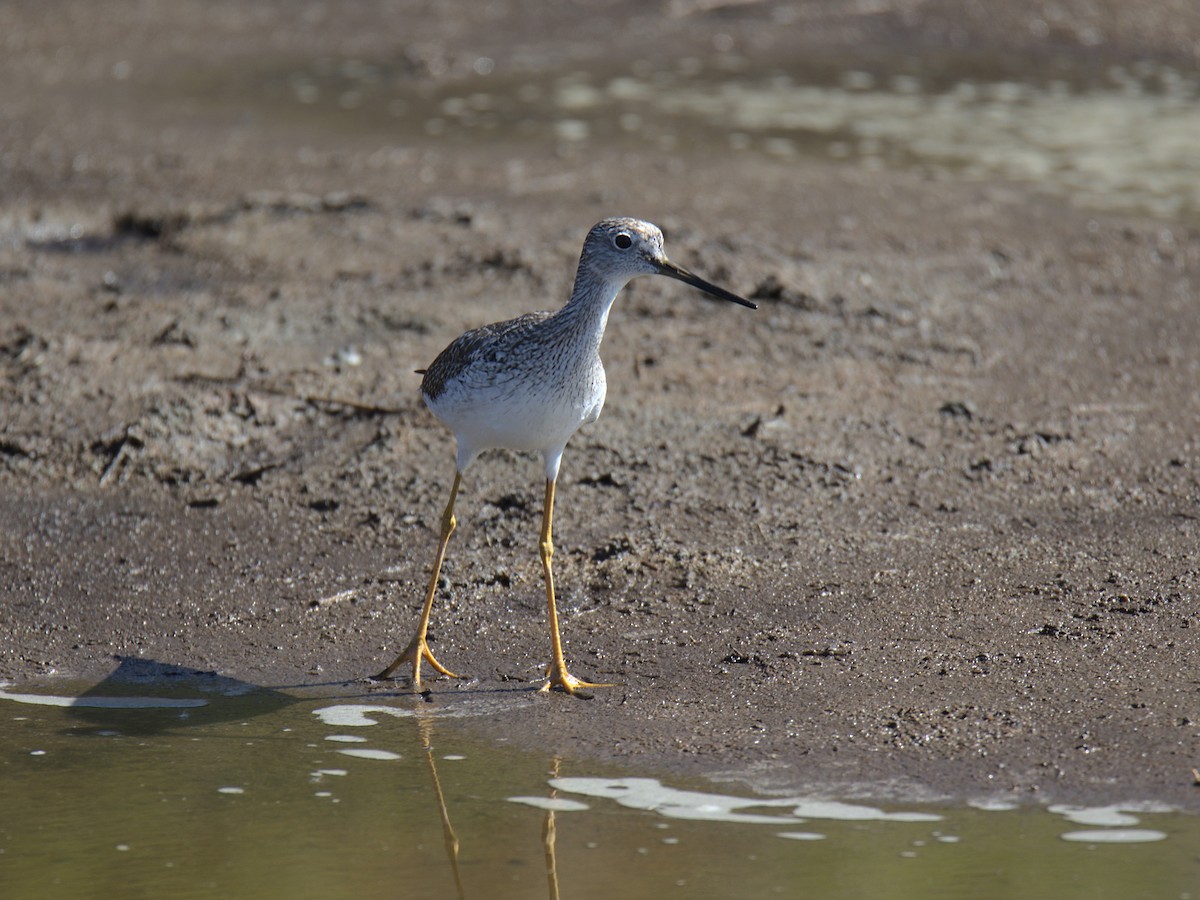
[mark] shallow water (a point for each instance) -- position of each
(1115, 138)
(199, 786)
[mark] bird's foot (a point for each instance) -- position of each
(414, 654)
(558, 677)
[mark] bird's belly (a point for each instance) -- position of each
(520, 420)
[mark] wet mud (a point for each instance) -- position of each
(922, 525)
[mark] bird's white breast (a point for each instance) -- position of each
(522, 414)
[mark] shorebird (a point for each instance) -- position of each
(529, 384)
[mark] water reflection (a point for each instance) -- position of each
(425, 728)
(425, 720)
(254, 794)
(550, 835)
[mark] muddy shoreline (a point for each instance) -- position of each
(923, 525)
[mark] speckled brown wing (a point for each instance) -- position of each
(476, 346)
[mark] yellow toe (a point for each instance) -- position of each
(414, 654)
(563, 680)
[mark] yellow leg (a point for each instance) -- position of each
(557, 675)
(417, 650)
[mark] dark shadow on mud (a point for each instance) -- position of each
(146, 697)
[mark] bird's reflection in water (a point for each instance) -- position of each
(549, 833)
(425, 728)
(450, 838)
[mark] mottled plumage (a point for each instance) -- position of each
(529, 384)
(487, 346)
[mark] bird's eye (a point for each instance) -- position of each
(623, 241)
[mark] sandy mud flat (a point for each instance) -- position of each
(924, 524)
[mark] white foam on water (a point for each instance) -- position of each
(321, 773)
(1115, 836)
(368, 753)
(1094, 815)
(992, 804)
(852, 812)
(358, 715)
(103, 702)
(650, 794)
(800, 835)
(231, 790)
(557, 804)
(346, 738)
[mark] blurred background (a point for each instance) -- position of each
(1092, 99)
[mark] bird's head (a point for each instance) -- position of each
(619, 249)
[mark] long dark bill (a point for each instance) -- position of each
(668, 268)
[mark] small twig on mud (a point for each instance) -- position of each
(252, 475)
(119, 449)
(367, 409)
(112, 463)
